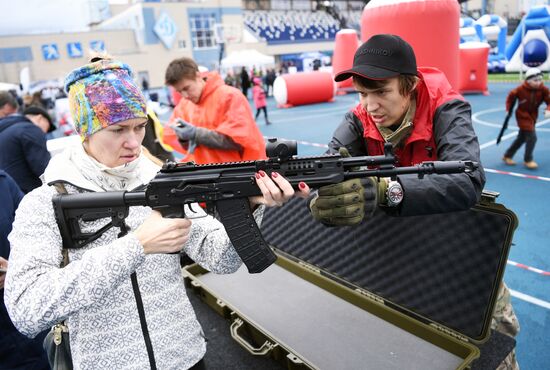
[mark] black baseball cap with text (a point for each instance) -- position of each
(380, 57)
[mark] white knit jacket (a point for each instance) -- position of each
(94, 291)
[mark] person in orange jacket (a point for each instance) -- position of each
(213, 121)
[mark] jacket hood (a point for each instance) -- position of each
(432, 91)
(213, 81)
(12, 120)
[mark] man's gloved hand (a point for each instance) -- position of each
(546, 113)
(184, 130)
(186, 134)
(347, 203)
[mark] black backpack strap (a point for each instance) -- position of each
(60, 187)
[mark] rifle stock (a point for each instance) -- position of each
(225, 188)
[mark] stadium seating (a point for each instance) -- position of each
(283, 27)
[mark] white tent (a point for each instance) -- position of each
(4, 86)
(247, 58)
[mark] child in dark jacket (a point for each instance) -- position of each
(530, 95)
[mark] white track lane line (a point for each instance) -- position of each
(476, 119)
(530, 299)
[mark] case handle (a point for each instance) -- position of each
(263, 350)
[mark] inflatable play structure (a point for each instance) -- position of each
(488, 28)
(472, 67)
(301, 88)
(430, 26)
(466, 66)
(345, 46)
(530, 45)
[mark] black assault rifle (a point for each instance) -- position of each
(506, 119)
(225, 189)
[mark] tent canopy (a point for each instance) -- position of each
(247, 58)
(4, 86)
(312, 55)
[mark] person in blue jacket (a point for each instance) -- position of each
(16, 350)
(23, 151)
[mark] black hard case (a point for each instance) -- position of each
(392, 293)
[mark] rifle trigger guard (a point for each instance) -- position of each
(192, 210)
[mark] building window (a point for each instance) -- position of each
(202, 31)
(281, 4)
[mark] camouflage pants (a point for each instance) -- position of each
(505, 321)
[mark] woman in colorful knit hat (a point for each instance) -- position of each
(98, 293)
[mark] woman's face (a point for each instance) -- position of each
(117, 144)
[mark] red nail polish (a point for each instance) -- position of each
(262, 173)
(257, 175)
(274, 174)
(302, 185)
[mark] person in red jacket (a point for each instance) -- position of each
(212, 121)
(419, 113)
(530, 95)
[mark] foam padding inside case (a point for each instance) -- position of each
(445, 267)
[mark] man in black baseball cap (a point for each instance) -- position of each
(418, 112)
(40, 117)
(381, 57)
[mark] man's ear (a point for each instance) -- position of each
(414, 86)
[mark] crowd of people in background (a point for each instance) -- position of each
(243, 79)
(52, 100)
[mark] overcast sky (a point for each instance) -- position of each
(48, 16)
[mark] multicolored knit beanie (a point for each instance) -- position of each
(101, 94)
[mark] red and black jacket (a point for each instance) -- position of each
(442, 131)
(529, 101)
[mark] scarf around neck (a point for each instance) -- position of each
(398, 137)
(124, 177)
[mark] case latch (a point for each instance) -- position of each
(489, 196)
